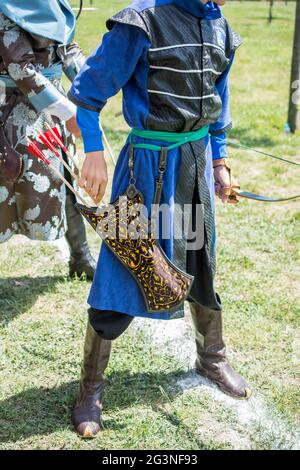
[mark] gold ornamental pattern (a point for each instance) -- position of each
(125, 230)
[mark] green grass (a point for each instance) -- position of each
(43, 314)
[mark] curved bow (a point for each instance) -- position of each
(260, 197)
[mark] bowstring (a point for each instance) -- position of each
(80, 9)
(270, 155)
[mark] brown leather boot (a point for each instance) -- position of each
(81, 261)
(86, 415)
(211, 353)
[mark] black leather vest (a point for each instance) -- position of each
(186, 57)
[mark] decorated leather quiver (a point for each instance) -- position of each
(126, 231)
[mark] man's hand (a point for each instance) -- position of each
(94, 175)
(73, 128)
(225, 184)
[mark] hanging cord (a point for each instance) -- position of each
(80, 9)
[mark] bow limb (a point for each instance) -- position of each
(262, 198)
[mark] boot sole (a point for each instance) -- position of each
(88, 433)
(88, 437)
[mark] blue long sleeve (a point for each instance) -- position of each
(219, 128)
(105, 72)
(88, 122)
(219, 146)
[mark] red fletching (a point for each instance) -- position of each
(56, 137)
(48, 142)
(34, 148)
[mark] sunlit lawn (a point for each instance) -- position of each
(43, 313)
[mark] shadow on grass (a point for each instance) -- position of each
(18, 294)
(43, 411)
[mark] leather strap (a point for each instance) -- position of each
(220, 162)
(162, 166)
(232, 190)
(161, 171)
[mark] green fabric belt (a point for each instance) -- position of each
(171, 137)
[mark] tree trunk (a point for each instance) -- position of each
(294, 105)
(271, 10)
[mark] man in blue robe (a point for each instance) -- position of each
(171, 58)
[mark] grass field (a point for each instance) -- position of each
(154, 400)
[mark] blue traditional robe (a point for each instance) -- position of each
(165, 87)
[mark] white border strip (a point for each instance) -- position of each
(155, 67)
(180, 96)
(186, 45)
(213, 45)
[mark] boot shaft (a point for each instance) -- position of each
(95, 360)
(208, 332)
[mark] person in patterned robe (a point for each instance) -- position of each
(36, 47)
(171, 58)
